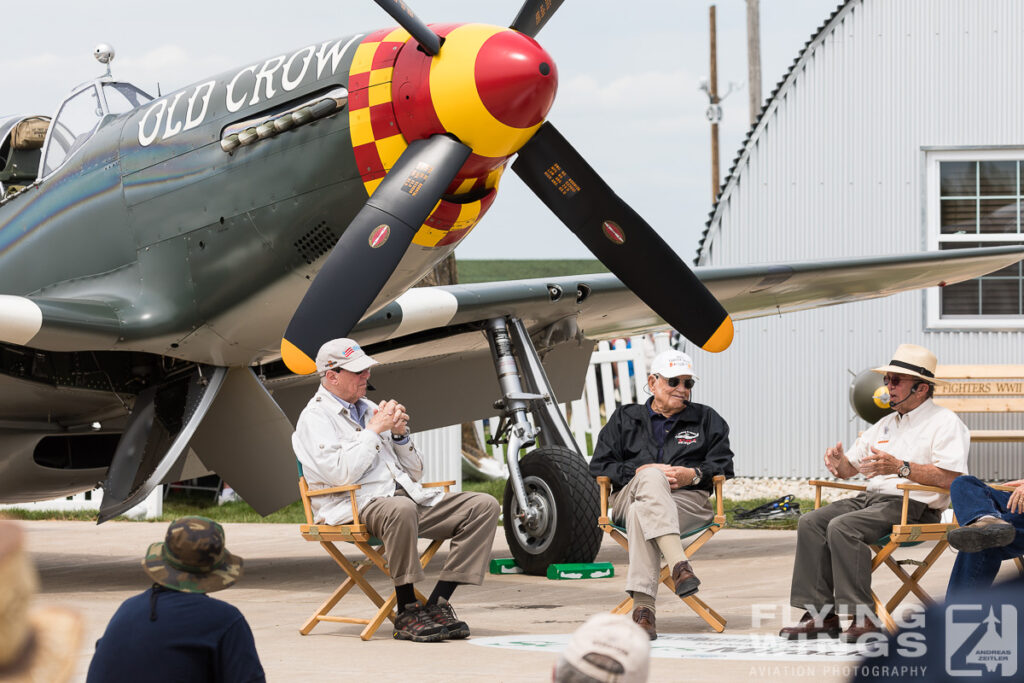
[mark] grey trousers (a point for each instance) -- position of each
(833, 560)
(650, 508)
(468, 519)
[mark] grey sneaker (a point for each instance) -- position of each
(443, 613)
(985, 533)
(416, 623)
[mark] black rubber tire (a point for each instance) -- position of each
(559, 480)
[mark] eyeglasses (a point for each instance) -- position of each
(673, 382)
(895, 381)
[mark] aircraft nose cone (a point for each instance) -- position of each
(516, 79)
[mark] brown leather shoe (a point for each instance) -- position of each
(860, 628)
(685, 580)
(808, 629)
(644, 618)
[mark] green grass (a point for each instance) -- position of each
(488, 270)
(181, 505)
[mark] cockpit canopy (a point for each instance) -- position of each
(80, 115)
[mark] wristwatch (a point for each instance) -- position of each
(904, 471)
(696, 477)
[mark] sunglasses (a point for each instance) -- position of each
(673, 382)
(894, 381)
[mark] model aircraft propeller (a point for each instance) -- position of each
(496, 89)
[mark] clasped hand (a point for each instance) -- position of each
(390, 416)
(677, 476)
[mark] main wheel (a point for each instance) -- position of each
(567, 500)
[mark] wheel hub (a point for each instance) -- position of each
(535, 526)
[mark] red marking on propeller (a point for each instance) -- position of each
(613, 232)
(379, 236)
(516, 79)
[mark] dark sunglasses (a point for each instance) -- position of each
(673, 382)
(894, 381)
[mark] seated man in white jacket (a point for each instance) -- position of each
(343, 438)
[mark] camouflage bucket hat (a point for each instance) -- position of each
(192, 558)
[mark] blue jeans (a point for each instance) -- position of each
(973, 499)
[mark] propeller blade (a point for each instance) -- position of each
(407, 19)
(533, 15)
(621, 239)
(370, 248)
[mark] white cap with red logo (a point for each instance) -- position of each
(672, 364)
(342, 353)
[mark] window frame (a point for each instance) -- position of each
(934, 238)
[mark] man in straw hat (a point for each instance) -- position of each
(918, 442)
(342, 438)
(35, 645)
(607, 648)
(661, 457)
(174, 631)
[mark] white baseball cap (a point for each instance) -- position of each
(609, 648)
(342, 353)
(672, 364)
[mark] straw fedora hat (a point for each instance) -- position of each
(35, 645)
(913, 360)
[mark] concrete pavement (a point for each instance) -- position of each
(745, 574)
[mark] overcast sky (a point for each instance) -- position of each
(628, 95)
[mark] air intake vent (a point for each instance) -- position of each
(316, 242)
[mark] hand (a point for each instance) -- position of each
(834, 458)
(670, 472)
(1016, 502)
(390, 416)
(879, 463)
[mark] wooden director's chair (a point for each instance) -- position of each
(696, 538)
(372, 549)
(903, 535)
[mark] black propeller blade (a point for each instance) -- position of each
(533, 15)
(370, 248)
(621, 239)
(407, 19)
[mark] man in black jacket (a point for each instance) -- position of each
(661, 457)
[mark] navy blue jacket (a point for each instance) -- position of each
(699, 437)
(193, 639)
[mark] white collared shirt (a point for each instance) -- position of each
(927, 435)
(336, 450)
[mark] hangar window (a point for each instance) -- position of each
(975, 200)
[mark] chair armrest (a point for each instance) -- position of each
(435, 484)
(719, 480)
(606, 486)
(818, 483)
(334, 489)
(907, 488)
(1002, 487)
(922, 487)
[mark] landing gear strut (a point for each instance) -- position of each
(551, 502)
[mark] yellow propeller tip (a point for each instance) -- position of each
(297, 361)
(722, 337)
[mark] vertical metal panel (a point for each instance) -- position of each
(836, 169)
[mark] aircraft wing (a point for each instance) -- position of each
(431, 339)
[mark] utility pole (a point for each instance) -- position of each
(754, 57)
(714, 112)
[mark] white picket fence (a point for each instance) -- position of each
(617, 375)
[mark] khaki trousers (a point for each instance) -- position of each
(833, 560)
(649, 508)
(468, 519)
